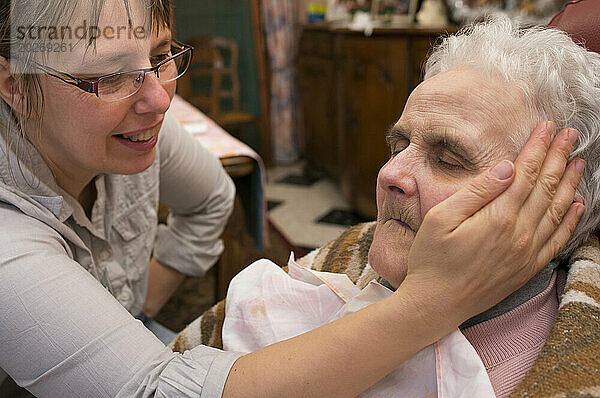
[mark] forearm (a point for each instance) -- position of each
(162, 283)
(345, 357)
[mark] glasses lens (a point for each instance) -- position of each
(121, 86)
(176, 67)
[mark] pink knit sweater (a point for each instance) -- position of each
(509, 344)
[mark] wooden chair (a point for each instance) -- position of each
(206, 64)
(218, 58)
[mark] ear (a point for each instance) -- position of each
(9, 90)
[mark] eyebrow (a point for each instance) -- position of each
(163, 43)
(395, 133)
(435, 138)
(119, 57)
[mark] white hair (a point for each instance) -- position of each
(561, 81)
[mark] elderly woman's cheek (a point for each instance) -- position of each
(379, 190)
(433, 190)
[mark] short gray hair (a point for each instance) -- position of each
(560, 79)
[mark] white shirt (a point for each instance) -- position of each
(63, 334)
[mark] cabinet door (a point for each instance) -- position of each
(317, 99)
(374, 91)
(420, 45)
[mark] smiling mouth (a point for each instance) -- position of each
(145, 136)
(141, 136)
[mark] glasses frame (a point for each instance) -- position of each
(91, 86)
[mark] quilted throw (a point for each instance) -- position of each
(569, 363)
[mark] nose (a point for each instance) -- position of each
(153, 97)
(397, 176)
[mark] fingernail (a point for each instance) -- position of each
(541, 128)
(580, 165)
(503, 170)
(580, 210)
(573, 134)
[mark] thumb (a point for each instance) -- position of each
(477, 193)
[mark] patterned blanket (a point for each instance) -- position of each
(569, 363)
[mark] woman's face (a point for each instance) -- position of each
(80, 135)
(454, 126)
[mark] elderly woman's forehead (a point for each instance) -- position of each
(473, 93)
(465, 81)
(470, 102)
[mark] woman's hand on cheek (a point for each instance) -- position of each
(489, 238)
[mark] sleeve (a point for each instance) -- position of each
(64, 335)
(199, 194)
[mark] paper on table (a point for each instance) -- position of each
(265, 305)
(196, 128)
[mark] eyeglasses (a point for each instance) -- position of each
(121, 85)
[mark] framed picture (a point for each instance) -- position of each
(395, 12)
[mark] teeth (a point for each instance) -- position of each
(140, 137)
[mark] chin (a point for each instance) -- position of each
(135, 165)
(388, 255)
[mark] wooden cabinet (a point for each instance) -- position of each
(319, 117)
(352, 88)
(316, 69)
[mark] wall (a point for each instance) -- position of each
(230, 19)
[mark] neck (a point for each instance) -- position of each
(79, 185)
(76, 182)
(532, 288)
(87, 197)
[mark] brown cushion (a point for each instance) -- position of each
(581, 20)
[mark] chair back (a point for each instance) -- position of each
(580, 19)
(229, 51)
(205, 67)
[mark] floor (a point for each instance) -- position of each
(308, 211)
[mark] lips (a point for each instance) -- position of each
(400, 214)
(139, 146)
(140, 131)
(402, 223)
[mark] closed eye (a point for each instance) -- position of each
(447, 161)
(398, 145)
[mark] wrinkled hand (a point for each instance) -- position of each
(488, 239)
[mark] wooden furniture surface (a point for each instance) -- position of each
(352, 88)
(238, 166)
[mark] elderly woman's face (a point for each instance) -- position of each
(79, 137)
(453, 127)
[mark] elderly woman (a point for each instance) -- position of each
(87, 150)
(485, 88)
